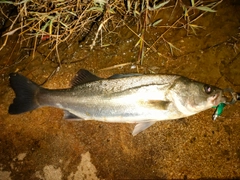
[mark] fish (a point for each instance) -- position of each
(121, 98)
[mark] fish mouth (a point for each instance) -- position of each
(218, 98)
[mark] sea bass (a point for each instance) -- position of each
(123, 98)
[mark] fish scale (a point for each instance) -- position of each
(123, 98)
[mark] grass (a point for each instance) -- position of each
(55, 22)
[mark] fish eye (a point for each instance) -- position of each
(208, 89)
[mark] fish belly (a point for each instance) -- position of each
(126, 109)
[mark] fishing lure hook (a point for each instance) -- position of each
(219, 109)
(235, 96)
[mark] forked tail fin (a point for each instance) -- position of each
(25, 91)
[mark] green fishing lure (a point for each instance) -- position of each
(218, 111)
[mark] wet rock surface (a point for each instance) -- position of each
(42, 145)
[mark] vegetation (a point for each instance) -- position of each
(59, 21)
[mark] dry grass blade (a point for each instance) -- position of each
(188, 10)
(116, 66)
(194, 27)
(52, 23)
(139, 37)
(171, 46)
(99, 29)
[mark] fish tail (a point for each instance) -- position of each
(25, 91)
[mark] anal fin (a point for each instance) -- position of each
(70, 116)
(141, 127)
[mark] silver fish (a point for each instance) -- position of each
(124, 98)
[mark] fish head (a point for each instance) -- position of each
(192, 97)
(207, 97)
(215, 95)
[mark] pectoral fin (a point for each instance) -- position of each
(157, 104)
(141, 127)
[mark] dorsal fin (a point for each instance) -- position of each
(117, 76)
(84, 76)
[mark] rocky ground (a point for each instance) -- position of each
(42, 145)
